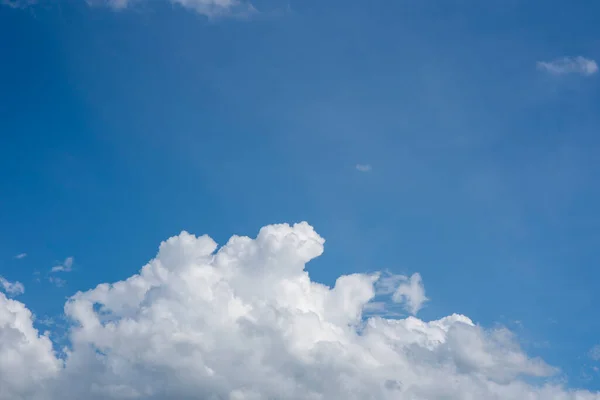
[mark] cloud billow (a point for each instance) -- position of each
(245, 322)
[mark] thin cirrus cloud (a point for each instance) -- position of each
(56, 281)
(594, 353)
(364, 167)
(209, 8)
(569, 65)
(20, 256)
(245, 321)
(18, 3)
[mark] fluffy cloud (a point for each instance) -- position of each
(11, 288)
(27, 362)
(246, 322)
(569, 65)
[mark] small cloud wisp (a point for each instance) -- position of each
(569, 65)
(66, 266)
(11, 288)
(364, 167)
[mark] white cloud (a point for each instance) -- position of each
(11, 288)
(364, 167)
(66, 266)
(27, 362)
(20, 256)
(246, 322)
(569, 65)
(411, 293)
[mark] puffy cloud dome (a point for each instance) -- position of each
(246, 322)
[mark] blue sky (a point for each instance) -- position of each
(120, 128)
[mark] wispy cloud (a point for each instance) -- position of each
(47, 321)
(17, 3)
(20, 256)
(66, 266)
(56, 281)
(217, 8)
(364, 167)
(115, 4)
(11, 288)
(411, 293)
(569, 65)
(594, 353)
(209, 8)
(388, 283)
(407, 292)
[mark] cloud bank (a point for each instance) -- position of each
(245, 322)
(569, 65)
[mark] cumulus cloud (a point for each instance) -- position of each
(11, 288)
(27, 361)
(245, 321)
(20, 256)
(411, 293)
(364, 167)
(569, 65)
(66, 266)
